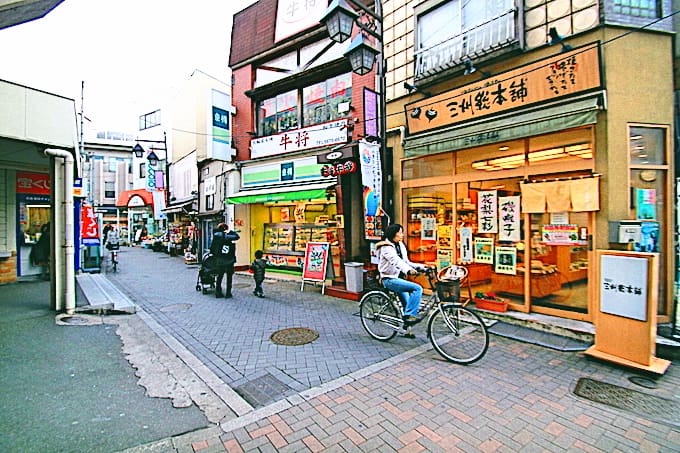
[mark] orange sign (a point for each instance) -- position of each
(316, 260)
(553, 78)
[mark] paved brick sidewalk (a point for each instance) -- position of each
(518, 398)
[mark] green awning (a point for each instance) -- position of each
(291, 193)
(518, 125)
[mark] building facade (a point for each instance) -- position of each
(532, 141)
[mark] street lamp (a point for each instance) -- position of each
(339, 20)
(153, 160)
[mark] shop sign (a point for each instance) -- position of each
(316, 261)
(89, 228)
(135, 201)
(316, 136)
(623, 286)
(303, 170)
(209, 185)
(556, 77)
(339, 169)
(560, 234)
(36, 183)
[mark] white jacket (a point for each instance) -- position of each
(389, 263)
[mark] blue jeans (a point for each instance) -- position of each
(410, 293)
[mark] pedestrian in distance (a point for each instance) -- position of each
(223, 249)
(40, 253)
(258, 266)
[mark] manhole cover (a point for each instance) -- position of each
(294, 336)
(176, 307)
(660, 409)
(75, 320)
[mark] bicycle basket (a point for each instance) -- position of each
(448, 291)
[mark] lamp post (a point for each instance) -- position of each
(339, 20)
(153, 161)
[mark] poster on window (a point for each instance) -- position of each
(646, 204)
(444, 258)
(428, 229)
(487, 211)
(484, 250)
(508, 218)
(506, 260)
(300, 212)
(444, 236)
(466, 254)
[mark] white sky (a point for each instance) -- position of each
(129, 53)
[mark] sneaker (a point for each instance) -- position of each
(410, 320)
(261, 295)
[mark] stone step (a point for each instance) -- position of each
(103, 295)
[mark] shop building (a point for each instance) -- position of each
(299, 130)
(533, 141)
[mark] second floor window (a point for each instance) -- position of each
(109, 189)
(321, 102)
(638, 8)
(452, 30)
(142, 170)
(150, 120)
(210, 202)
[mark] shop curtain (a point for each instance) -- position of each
(577, 195)
(585, 194)
(533, 198)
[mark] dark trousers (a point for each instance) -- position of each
(258, 287)
(229, 272)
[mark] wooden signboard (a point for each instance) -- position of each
(315, 264)
(627, 296)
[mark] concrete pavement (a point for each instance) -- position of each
(346, 392)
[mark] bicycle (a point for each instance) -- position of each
(113, 248)
(456, 332)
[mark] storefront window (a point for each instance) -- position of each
(648, 150)
(490, 158)
(428, 166)
(429, 225)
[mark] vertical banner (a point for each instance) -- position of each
(371, 179)
(487, 212)
(508, 219)
(466, 245)
(89, 228)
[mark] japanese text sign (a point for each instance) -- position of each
(623, 286)
(508, 219)
(316, 136)
(487, 212)
(549, 79)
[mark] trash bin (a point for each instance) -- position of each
(354, 277)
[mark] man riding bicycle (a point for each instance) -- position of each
(393, 265)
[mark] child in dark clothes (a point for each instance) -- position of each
(258, 267)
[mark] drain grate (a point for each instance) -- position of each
(262, 390)
(654, 407)
(294, 336)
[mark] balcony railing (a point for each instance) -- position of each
(474, 42)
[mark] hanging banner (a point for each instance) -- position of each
(506, 260)
(371, 179)
(484, 250)
(508, 219)
(466, 254)
(487, 212)
(89, 228)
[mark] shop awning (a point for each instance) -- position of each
(144, 197)
(286, 193)
(510, 127)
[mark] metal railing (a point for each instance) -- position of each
(473, 42)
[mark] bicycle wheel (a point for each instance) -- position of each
(458, 334)
(379, 316)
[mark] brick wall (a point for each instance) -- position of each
(8, 269)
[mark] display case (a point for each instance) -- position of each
(285, 243)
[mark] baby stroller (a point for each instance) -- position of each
(206, 273)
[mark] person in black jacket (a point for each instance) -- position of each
(224, 250)
(258, 267)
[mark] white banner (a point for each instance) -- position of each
(316, 136)
(508, 218)
(371, 179)
(487, 212)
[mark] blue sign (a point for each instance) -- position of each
(287, 173)
(220, 118)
